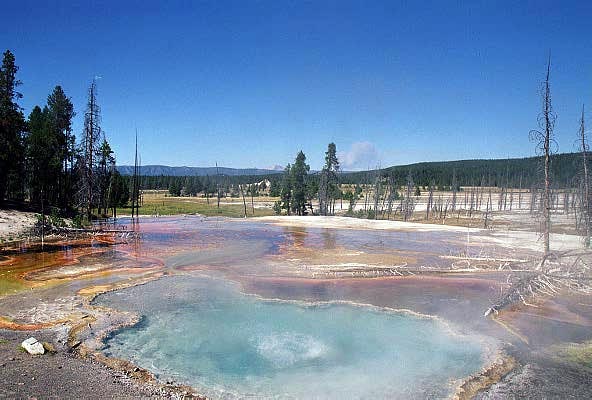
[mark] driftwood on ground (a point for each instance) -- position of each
(556, 272)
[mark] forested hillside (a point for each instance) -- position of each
(513, 172)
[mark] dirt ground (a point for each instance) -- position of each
(14, 224)
(63, 375)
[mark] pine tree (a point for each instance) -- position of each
(61, 112)
(286, 189)
(12, 127)
(328, 190)
(298, 173)
(43, 163)
(106, 166)
(119, 193)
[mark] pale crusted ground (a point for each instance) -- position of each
(357, 223)
(15, 223)
(528, 240)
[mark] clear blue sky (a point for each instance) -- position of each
(249, 83)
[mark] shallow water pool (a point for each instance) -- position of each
(204, 332)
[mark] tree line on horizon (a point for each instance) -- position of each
(513, 173)
(41, 161)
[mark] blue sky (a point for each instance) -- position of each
(249, 83)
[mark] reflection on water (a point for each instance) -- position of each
(297, 235)
(164, 237)
(229, 345)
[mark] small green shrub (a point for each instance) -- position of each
(277, 207)
(77, 221)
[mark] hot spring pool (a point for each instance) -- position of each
(204, 332)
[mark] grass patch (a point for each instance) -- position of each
(3, 341)
(158, 204)
(49, 348)
(579, 353)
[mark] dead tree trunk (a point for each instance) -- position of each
(544, 138)
(408, 211)
(454, 186)
(547, 148)
(585, 195)
(244, 200)
(487, 209)
(218, 185)
(376, 194)
(520, 193)
(253, 198)
(430, 199)
(92, 132)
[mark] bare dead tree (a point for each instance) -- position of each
(585, 211)
(472, 204)
(386, 197)
(479, 195)
(252, 187)
(487, 209)
(507, 187)
(430, 199)
(439, 207)
(377, 188)
(135, 180)
(218, 185)
(392, 196)
(520, 193)
(568, 271)
(454, 187)
(533, 197)
(557, 271)
(240, 187)
(465, 202)
(409, 204)
(367, 194)
(90, 147)
(543, 137)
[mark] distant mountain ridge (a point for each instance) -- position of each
(512, 172)
(158, 170)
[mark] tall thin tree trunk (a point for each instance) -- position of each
(244, 200)
(586, 194)
(547, 144)
(218, 185)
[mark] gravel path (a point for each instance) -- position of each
(63, 375)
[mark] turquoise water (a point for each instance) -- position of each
(204, 332)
